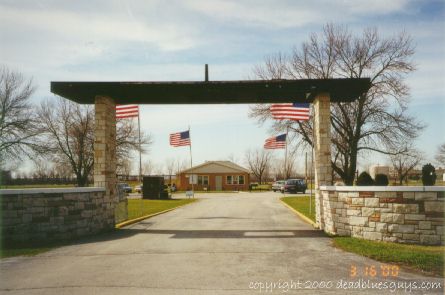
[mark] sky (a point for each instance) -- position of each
(172, 40)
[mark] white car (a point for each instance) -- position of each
(138, 189)
(278, 185)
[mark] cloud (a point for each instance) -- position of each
(285, 14)
(70, 37)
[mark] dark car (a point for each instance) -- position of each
(294, 186)
(125, 187)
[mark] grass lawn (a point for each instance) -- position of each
(141, 207)
(425, 258)
(204, 192)
(301, 204)
(23, 251)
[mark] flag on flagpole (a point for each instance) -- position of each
(127, 111)
(290, 111)
(276, 142)
(180, 138)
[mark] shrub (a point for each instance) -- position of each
(428, 174)
(414, 177)
(381, 180)
(364, 179)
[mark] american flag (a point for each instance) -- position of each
(276, 142)
(291, 111)
(180, 138)
(127, 111)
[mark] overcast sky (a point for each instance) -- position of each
(172, 40)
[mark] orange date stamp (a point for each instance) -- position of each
(382, 270)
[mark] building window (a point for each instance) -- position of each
(203, 180)
(235, 179)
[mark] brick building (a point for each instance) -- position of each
(215, 176)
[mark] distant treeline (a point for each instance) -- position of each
(7, 179)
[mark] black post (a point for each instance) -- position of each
(207, 73)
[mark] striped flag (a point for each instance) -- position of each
(276, 142)
(127, 111)
(290, 111)
(180, 138)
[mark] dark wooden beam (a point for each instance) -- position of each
(213, 92)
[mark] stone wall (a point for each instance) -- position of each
(396, 214)
(54, 214)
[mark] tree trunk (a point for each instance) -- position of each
(81, 180)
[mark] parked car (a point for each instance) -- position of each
(138, 189)
(277, 185)
(294, 186)
(125, 187)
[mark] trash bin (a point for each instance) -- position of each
(252, 186)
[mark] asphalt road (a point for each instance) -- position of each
(240, 243)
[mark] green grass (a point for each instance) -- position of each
(205, 192)
(425, 258)
(141, 207)
(23, 251)
(262, 187)
(301, 204)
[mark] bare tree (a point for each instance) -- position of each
(285, 168)
(377, 121)
(17, 120)
(404, 163)
(180, 165)
(440, 155)
(259, 161)
(42, 168)
(174, 167)
(232, 158)
(170, 165)
(68, 132)
(124, 167)
(62, 170)
(147, 167)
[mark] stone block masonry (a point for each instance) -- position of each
(412, 215)
(322, 152)
(30, 215)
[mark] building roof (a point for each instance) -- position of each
(213, 92)
(216, 167)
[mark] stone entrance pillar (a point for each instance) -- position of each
(105, 153)
(322, 151)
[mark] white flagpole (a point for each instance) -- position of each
(285, 160)
(312, 166)
(140, 151)
(191, 165)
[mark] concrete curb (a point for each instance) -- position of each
(129, 222)
(305, 219)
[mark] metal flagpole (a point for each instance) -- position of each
(191, 165)
(285, 160)
(140, 151)
(140, 160)
(312, 166)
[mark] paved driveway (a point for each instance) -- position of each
(223, 244)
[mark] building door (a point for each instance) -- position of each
(218, 183)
